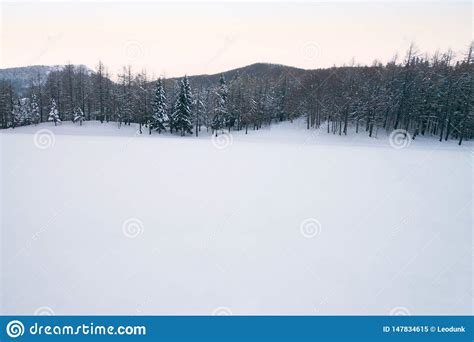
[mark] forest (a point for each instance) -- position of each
(421, 94)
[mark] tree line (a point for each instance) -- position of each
(423, 95)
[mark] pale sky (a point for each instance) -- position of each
(177, 38)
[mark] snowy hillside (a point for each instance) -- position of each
(100, 220)
(22, 77)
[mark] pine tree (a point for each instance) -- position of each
(78, 115)
(182, 116)
(16, 115)
(249, 113)
(171, 109)
(54, 113)
(466, 83)
(24, 111)
(217, 122)
(34, 111)
(159, 118)
(221, 117)
(199, 112)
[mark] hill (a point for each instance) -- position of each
(22, 77)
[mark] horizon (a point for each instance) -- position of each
(219, 37)
(114, 76)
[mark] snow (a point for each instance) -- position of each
(100, 220)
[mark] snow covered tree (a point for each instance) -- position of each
(174, 100)
(217, 123)
(25, 111)
(182, 115)
(159, 118)
(16, 114)
(21, 112)
(5, 102)
(78, 115)
(54, 113)
(281, 100)
(199, 112)
(125, 98)
(142, 107)
(466, 101)
(98, 86)
(249, 113)
(125, 109)
(35, 113)
(221, 117)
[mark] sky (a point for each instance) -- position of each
(176, 38)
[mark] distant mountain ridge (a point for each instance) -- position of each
(265, 72)
(22, 77)
(254, 70)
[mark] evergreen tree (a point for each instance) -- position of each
(199, 112)
(466, 101)
(171, 109)
(34, 111)
(159, 118)
(217, 122)
(54, 113)
(221, 117)
(78, 115)
(16, 114)
(5, 103)
(182, 116)
(23, 112)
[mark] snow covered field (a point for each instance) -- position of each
(280, 221)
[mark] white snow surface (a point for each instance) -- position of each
(100, 220)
